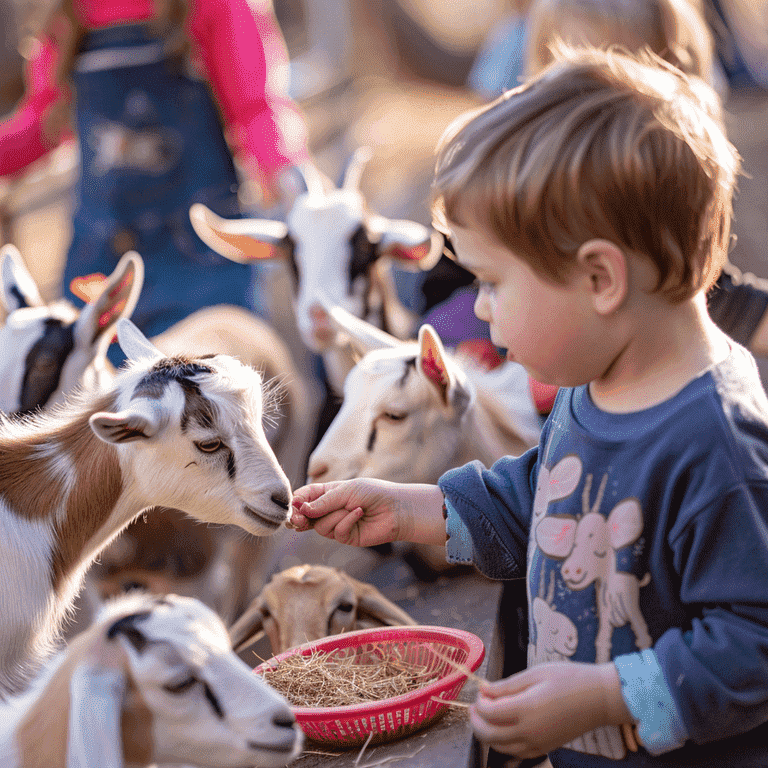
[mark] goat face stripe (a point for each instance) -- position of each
(197, 407)
(44, 364)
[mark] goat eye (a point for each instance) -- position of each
(181, 686)
(209, 446)
(393, 416)
(345, 607)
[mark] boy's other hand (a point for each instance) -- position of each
(547, 706)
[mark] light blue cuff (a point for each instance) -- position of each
(458, 548)
(650, 702)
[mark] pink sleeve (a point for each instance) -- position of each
(22, 135)
(244, 57)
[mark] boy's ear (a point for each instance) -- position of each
(604, 266)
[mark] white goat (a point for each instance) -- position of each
(184, 433)
(411, 411)
(154, 679)
(339, 252)
(308, 602)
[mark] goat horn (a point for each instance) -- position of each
(310, 175)
(355, 167)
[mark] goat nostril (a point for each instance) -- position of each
(284, 720)
(282, 500)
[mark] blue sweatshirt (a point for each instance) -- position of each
(644, 537)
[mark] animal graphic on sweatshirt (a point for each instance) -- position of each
(586, 547)
(552, 485)
(556, 634)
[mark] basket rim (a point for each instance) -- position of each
(475, 656)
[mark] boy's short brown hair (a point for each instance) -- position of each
(602, 144)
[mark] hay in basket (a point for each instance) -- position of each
(381, 683)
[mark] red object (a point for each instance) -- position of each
(481, 351)
(543, 396)
(398, 716)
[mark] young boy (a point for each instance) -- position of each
(593, 205)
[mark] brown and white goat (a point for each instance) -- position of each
(49, 350)
(307, 602)
(153, 680)
(184, 433)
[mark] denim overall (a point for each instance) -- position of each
(151, 145)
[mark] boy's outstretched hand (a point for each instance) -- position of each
(543, 708)
(365, 512)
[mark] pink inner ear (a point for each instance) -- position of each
(88, 287)
(106, 317)
(433, 370)
(403, 253)
(247, 248)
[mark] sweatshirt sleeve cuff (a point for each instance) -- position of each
(650, 702)
(458, 547)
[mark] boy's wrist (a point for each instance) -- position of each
(615, 707)
(420, 515)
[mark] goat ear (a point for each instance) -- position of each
(117, 299)
(18, 287)
(371, 604)
(363, 336)
(135, 423)
(96, 692)
(134, 343)
(248, 628)
(240, 240)
(432, 363)
(409, 243)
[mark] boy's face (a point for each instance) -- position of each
(547, 327)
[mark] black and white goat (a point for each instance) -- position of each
(153, 680)
(181, 432)
(49, 349)
(339, 252)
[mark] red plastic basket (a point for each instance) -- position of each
(398, 716)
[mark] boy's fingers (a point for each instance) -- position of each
(326, 526)
(507, 686)
(502, 711)
(298, 522)
(308, 493)
(492, 732)
(344, 528)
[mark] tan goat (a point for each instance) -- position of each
(308, 602)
